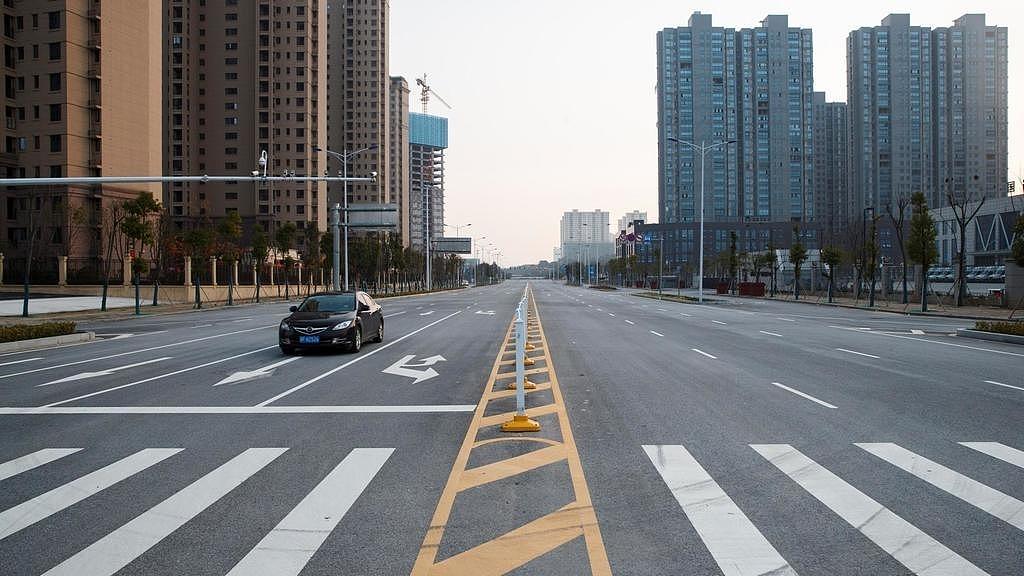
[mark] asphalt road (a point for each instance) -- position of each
(744, 437)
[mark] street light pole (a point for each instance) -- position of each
(343, 157)
(703, 148)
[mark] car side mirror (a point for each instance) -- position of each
(293, 308)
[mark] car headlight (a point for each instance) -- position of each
(342, 325)
(285, 327)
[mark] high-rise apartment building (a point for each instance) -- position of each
(242, 78)
(752, 87)
(927, 110)
(82, 97)
(358, 98)
(585, 235)
(428, 139)
(398, 144)
(628, 219)
(830, 170)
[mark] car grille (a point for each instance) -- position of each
(308, 330)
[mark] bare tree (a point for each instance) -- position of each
(898, 218)
(114, 214)
(960, 202)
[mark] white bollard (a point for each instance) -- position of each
(520, 421)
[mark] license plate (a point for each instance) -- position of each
(309, 339)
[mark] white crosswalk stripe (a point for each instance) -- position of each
(285, 550)
(33, 460)
(290, 545)
(1000, 451)
(45, 505)
(906, 543)
(737, 546)
(996, 503)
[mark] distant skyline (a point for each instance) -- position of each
(554, 104)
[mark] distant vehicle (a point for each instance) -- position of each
(465, 283)
(332, 320)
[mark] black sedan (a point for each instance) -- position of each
(332, 319)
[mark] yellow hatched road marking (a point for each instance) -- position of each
(538, 537)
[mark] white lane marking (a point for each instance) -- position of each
(657, 333)
(426, 313)
(786, 319)
(805, 395)
(719, 322)
(45, 505)
(107, 372)
(662, 310)
(287, 548)
(703, 353)
(21, 361)
(610, 314)
(158, 377)
(916, 550)
(917, 332)
(996, 503)
(352, 409)
(770, 333)
(243, 375)
(630, 322)
(33, 460)
(119, 548)
(685, 314)
(161, 347)
(1004, 352)
(733, 540)
(858, 353)
(375, 350)
(1004, 385)
(400, 313)
(203, 326)
(243, 319)
(997, 450)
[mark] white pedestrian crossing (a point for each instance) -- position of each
(33, 460)
(115, 550)
(738, 546)
(902, 540)
(45, 505)
(285, 550)
(996, 503)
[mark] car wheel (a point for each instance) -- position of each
(357, 341)
(380, 332)
(288, 350)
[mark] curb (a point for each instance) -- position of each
(50, 341)
(990, 336)
(867, 309)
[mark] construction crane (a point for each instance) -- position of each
(426, 91)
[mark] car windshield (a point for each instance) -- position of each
(329, 303)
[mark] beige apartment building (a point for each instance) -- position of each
(398, 142)
(358, 98)
(82, 97)
(242, 77)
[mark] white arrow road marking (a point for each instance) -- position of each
(404, 368)
(426, 313)
(20, 361)
(243, 375)
(129, 335)
(108, 372)
(486, 313)
(917, 332)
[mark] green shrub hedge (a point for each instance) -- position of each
(30, 331)
(1015, 328)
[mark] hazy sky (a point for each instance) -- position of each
(554, 103)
